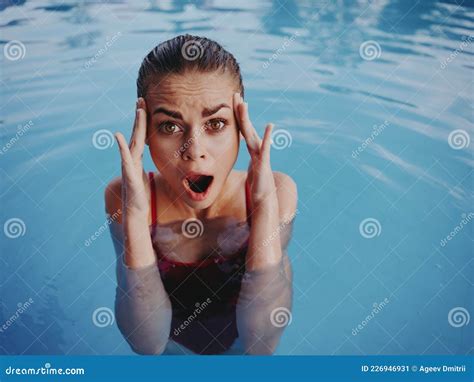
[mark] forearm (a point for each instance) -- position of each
(264, 307)
(142, 306)
(266, 289)
(264, 248)
(143, 309)
(138, 247)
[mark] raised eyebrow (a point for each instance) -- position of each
(170, 113)
(207, 112)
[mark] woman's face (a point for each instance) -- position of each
(192, 134)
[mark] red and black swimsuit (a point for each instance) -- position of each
(202, 326)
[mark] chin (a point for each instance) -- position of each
(202, 204)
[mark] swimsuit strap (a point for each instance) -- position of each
(153, 199)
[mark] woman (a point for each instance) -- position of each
(201, 248)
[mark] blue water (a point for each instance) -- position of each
(306, 69)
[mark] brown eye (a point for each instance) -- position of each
(169, 128)
(216, 124)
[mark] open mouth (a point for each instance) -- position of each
(198, 185)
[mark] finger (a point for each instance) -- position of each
(248, 131)
(123, 148)
(236, 100)
(267, 142)
(247, 128)
(139, 105)
(135, 120)
(137, 141)
(142, 104)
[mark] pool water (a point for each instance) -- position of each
(373, 107)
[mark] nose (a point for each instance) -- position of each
(194, 148)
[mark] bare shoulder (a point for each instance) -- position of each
(113, 198)
(287, 194)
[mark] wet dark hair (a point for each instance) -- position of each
(186, 53)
